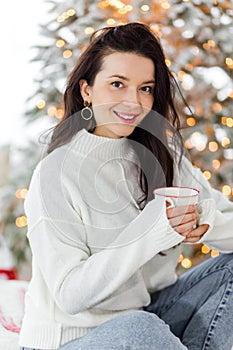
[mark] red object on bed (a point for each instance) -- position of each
(8, 274)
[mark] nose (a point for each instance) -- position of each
(131, 96)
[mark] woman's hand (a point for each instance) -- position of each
(183, 220)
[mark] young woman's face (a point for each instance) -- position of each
(122, 93)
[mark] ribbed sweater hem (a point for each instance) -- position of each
(49, 336)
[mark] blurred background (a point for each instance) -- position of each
(41, 40)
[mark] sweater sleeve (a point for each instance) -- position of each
(76, 279)
(216, 209)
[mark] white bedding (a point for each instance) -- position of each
(11, 312)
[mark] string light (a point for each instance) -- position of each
(229, 62)
(103, 4)
(217, 108)
(122, 11)
(224, 120)
(225, 141)
(165, 5)
(187, 80)
(181, 75)
(181, 258)
(214, 253)
(189, 66)
(226, 190)
(21, 221)
(186, 263)
(179, 22)
(51, 111)
(188, 144)
(67, 53)
(168, 62)
(89, 30)
(65, 15)
(229, 122)
(128, 8)
(191, 121)
(60, 43)
(83, 48)
(116, 3)
(60, 19)
(21, 193)
(231, 94)
(198, 141)
(187, 34)
(207, 174)
(205, 249)
(145, 8)
(71, 12)
(41, 104)
(110, 21)
(211, 43)
(213, 146)
(59, 113)
(216, 164)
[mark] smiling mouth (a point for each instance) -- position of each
(126, 117)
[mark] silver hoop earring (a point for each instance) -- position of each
(86, 112)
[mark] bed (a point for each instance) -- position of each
(11, 312)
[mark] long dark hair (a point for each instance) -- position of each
(162, 123)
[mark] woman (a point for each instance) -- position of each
(104, 251)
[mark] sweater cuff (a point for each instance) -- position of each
(207, 211)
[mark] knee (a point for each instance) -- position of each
(142, 321)
(143, 317)
(145, 330)
(226, 261)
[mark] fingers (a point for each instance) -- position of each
(181, 210)
(185, 228)
(195, 235)
(183, 218)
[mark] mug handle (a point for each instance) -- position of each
(170, 202)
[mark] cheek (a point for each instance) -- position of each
(103, 100)
(102, 96)
(148, 102)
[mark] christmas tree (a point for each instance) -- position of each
(197, 40)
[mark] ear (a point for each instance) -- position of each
(85, 90)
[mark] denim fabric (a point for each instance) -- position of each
(195, 313)
(136, 330)
(199, 306)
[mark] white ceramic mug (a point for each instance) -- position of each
(178, 196)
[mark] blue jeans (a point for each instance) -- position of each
(195, 313)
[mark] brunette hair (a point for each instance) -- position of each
(151, 136)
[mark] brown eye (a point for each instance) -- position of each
(147, 89)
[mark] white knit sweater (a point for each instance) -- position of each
(95, 253)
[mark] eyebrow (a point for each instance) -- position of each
(127, 79)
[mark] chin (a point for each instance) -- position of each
(123, 131)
